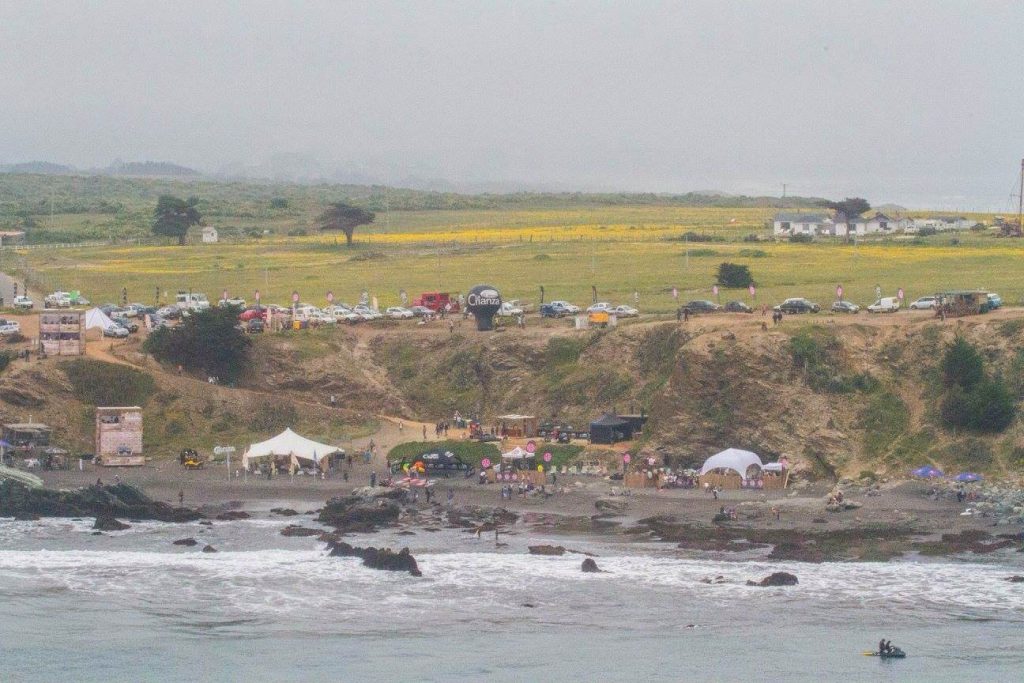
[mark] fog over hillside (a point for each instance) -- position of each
(913, 102)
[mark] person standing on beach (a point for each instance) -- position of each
(451, 497)
(424, 432)
(181, 498)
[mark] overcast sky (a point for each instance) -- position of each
(912, 102)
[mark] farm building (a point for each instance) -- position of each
(12, 237)
(119, 436)
(798, 223)
(62, 333)
(942, 223)
(210, 235)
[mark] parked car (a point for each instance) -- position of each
(924, 303)
(624, 311)
(57, 300)
(231, 302)
(9, 326)
(126, 323)
(398, 313)
(798, 305)
(254, 325)
(738, 307)
(420, 311)
(600, 307)
(517, 303)
(115, 331)
(887, 304)
(702, 306)
(570, 309)
(509, 309)
(552, 311)
(23, 302)
(366, 312)
(169, 312)
(994, 301)
(845, 307)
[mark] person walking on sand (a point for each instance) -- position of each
(181, 498)
(451, 497)
(424, 432)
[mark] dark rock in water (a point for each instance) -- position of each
(206, 522)
(232, 515)
(528, 604)
(301, 531)
(1016, 578)
(717, 579)
(383, 558)
(108, 523)
(98, 533)
(209, 549)
(76, 519)
(358, 514)
(284, 512)
(589, 566)
(547, 550)
(406, 532)
(776, 579)
(186, 541)
(120, 500)
(797, 552)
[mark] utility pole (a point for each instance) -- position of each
(783, 190)
(1020, 199)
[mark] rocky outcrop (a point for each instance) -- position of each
(284, 512)
(360, 514)
(556, 550)
(610, 506)
(1016, 578)
(300, 531)
(232, 515)
(209, 549)
(120, 500)
(775, 579)
(189, 542)
(374, 558)
(589, 566)
(109, 523)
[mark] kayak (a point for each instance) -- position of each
(895, 654)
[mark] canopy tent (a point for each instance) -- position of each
(927, 472)
(967, 476)
(609, 429)
(289, 444)
(732, 459)
(518, 453)
(94, 317)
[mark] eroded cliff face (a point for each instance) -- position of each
(836, 398)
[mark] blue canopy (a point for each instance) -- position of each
(967, 476)
(927, 472)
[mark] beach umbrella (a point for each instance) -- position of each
(927, 472)
(967, 476)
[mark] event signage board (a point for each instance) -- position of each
(547, 457)
(626, 457)
(485, 463)
(531, 446)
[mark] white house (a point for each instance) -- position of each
(798, 224)
(210, 235)
(944, 223)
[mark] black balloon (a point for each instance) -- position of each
(483, 301)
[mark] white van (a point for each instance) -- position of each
(192, 301)
(887, 304)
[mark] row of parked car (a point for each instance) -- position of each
(559, 309)
(886, 304)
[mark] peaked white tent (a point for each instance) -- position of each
(289, 444)
(517, 453)
(94, 317)
(732, 459)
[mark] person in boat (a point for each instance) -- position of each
(881, 646)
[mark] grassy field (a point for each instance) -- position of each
(621, 244)
(641, 261)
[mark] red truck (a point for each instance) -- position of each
(436, 301)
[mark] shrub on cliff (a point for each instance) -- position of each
(208, 341)
(108, 384)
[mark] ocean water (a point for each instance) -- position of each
(129, 606)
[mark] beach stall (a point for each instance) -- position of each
(518, 464)
(517, 426)
(733, 468)
(435, 463)
(610, 429)
(290, 449)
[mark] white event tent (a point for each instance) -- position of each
(289, 444)
(732, 459)
(94, 317)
